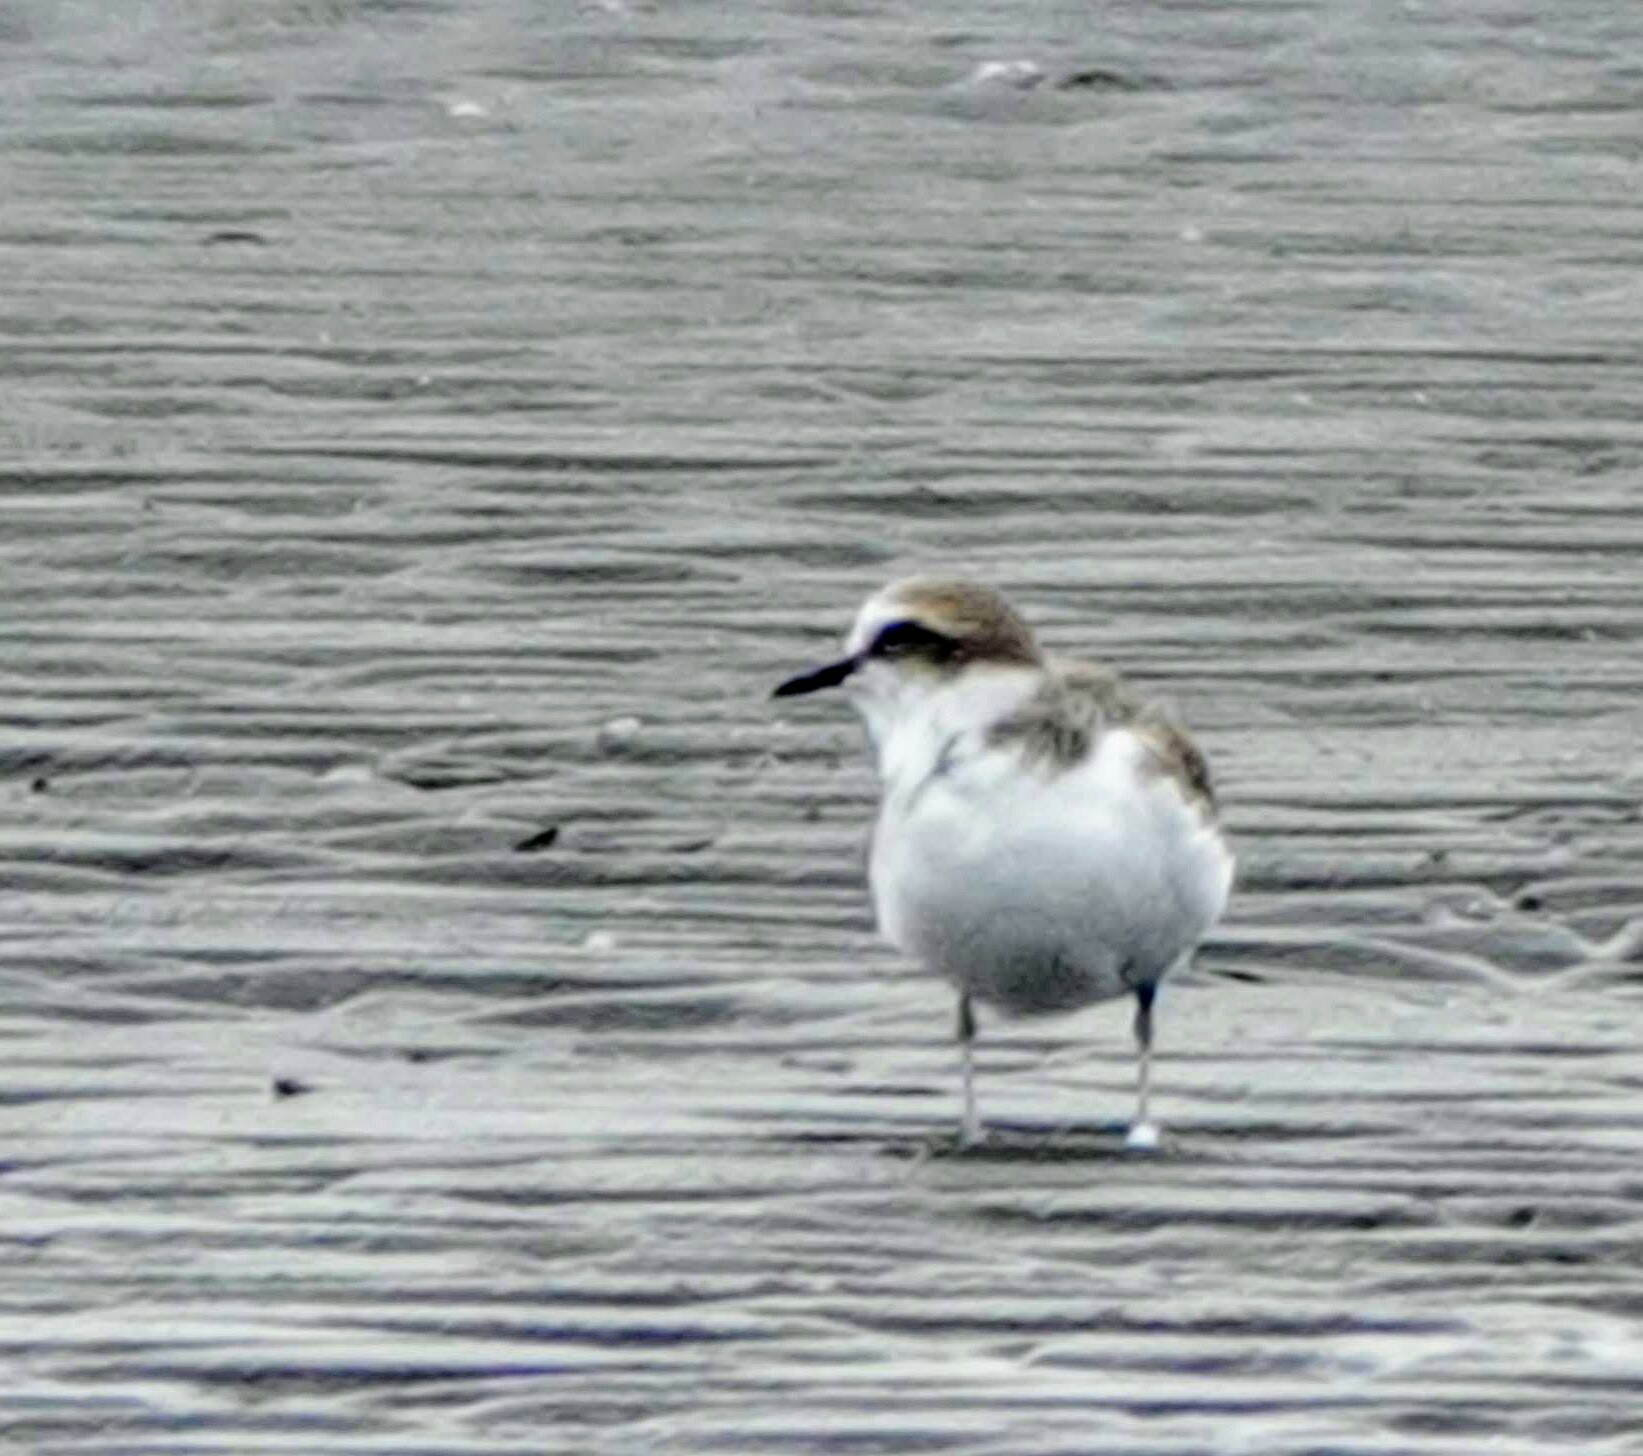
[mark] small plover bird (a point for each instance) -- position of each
(1046, 839)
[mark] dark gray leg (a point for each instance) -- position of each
(971, 1130)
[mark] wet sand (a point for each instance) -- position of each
(441, 1006)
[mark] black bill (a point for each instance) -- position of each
(813, 682)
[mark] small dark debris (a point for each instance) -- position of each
(1530, 901)
(235, 235)
(1251, 978)
(448, 773)
(417, 1055)
(40, 785)
(542, 839)
(289, 1087)
(1099, 78)
(1521, 1217)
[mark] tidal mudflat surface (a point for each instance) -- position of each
(440, 1007)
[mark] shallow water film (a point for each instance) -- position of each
(441, 1007)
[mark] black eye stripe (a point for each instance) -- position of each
(899, 638)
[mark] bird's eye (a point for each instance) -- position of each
(900, 638)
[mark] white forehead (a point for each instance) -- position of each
(877, 613)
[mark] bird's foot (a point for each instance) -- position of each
(1143, 1137)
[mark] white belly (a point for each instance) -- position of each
(1041, 894)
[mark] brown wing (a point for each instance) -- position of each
(1180, 759)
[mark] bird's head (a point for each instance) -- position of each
(915, 638)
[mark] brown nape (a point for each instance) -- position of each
(1078, 702)
(1059, 724)
(977, 618)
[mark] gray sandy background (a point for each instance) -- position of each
(426, 425)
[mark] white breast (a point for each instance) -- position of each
(1036, 889)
